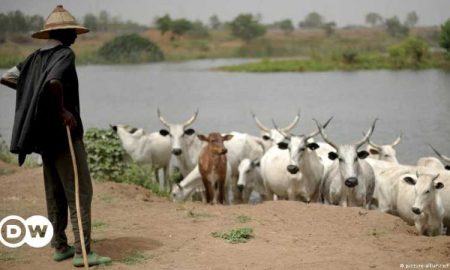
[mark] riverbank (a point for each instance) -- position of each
(221, 44)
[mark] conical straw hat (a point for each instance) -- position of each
(57, 20)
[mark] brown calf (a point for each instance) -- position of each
(212, 164)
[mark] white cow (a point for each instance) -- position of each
(384, 152)
(292, 170)
(272, 136)
(432, 162)
(350, 180)
(419, 202)
(152, 149)
(250, 179)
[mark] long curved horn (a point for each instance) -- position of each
(397, 141)
(286, 135)
(259, 124)
(293, 124)
(368, 134)
(191, 120)
(167, 124)
(315, 133)
(324, 136)
(371, 143)
(445, 158)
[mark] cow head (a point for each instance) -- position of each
(425, 187)
(180, 134)
(444, 159)
(215, 142)
(384, 152)
(348, 156)
(297, 145)
(273, 136)
(246, 168)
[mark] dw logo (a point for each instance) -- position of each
(36, 231)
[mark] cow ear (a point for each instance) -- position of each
(256, 163)
(332, 155)
(374, 151)
(409, 180)
(438, 185)
(313, 146)
(114, 128)
(133, 130)
(447, 167)
(283, 145)
(266, 138)
(164, 132)
(227, 137)
(189, 131)
(363, 154)
(202, 138)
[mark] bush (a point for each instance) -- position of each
(130, 49)
(411, 51)
(349, 56)
(444, 37)
(235, 236)
(247, 27)
(106, 161)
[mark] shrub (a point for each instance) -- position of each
(444, 37)
(130, 48)
(349, 56)
(247, 27)
(106, 161)
(235, 236)
(411, 51)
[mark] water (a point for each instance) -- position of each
(416, 103)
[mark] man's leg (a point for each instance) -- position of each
(56, 202)
(65, 170)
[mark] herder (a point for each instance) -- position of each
(46, 101)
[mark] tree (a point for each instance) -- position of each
(180, 27)
(198, 30)
(214, 22)
(395, 28)
(90, 21)
(103, 21)
(35, 22)
(286, 25)
(163, 24)
(329, 28)
(444, 36)
(411, 19)
(373, 18)
(247, 27)
(312, 20)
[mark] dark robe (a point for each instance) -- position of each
(38, 126)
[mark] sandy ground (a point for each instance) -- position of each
(287, 235)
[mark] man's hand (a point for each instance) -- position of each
(68, 119)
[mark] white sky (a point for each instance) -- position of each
(343, 12)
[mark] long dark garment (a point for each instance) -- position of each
(37, 125)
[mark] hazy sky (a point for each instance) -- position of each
(344, 12)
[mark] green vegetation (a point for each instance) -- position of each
(197, 215)
(134, 258)
(106, 161)
(98, 225)
(235, 236)
(130, 48)
(8, 157)
(243, 219)
(247, 27)
(444, 37)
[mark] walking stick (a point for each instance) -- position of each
(77, 199)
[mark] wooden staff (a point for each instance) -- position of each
(77, 199)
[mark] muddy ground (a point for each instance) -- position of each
(142, 231)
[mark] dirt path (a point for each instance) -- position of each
(128, 220)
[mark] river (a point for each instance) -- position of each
(415, 103)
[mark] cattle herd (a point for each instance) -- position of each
(238, 167)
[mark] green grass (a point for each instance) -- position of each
(6, 172)
(106, 198)
(98, 225)
(134, 258)
(243, 219)
(7, 257)
(197, 215)
(235, 236)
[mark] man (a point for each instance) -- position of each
(47, 101)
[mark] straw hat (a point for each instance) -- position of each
(57, 20)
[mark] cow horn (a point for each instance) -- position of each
(191, 120)
(315, 133)
(324, 136)
(445, 158)
(167, 124)
(282, 132)
(368, 134)
(397, 141)
(293, 124)
(371, 143)
(259, 124)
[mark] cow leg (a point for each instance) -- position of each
(221, 190)
(166, 177)
(209, 192)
